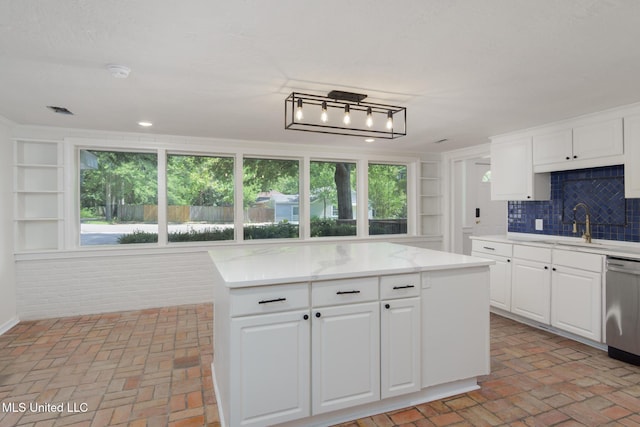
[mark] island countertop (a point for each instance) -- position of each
(247, 266)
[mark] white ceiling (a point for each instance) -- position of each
(465, 69)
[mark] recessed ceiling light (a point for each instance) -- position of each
(369, 140)
(145, 124)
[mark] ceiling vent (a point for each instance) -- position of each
(59, 110)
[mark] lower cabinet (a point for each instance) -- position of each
(270, 361)
(399, 346)
(345, 356)
(531, 290)
(576, 296)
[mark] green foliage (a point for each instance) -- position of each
(321, 227)
(208, 235)
(282, 230)
(200, 180)
(269, 174)
(388, 190)
(138, 236)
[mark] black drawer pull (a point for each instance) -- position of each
(387, 306)
(267, 301)
(347, 292)
(404, 287)
(489, 248)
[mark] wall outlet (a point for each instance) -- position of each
(539, 226)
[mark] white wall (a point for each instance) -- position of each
(8, 313)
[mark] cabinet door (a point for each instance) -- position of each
(512, 176)
(499, 281)
(632, 157)
(553, 147)
(576, 296)
(531, 290)
(270, 364)
(399, 346)
(599, 139)
(345, 357)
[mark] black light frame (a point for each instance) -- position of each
(338, 102)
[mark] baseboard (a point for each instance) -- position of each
(9, 324)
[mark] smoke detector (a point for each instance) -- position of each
(119, 71)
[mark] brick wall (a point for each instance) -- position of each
(72, 286)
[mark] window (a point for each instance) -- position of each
(332, 199)
(387, 199)
(200, 198)
(118, 197)
(270, 193)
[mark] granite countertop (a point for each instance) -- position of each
(601, 247)
(247, 266)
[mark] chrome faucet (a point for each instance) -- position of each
(587, 222)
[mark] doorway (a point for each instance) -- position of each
(474, 213)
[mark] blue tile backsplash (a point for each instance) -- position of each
(612, 216)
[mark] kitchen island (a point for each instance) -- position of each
(317, 334)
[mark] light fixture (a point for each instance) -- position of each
(353, 117)
(299, 114)
(145, 124)
(347, 115)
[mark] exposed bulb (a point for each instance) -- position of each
(299, 114)
(369, 117)
(347, 115)
(389, 120)
(324, 116)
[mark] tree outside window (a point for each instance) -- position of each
(333, 198)
(387, 199)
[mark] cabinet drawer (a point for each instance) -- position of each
(578, 260)
(532, 253)
(268, 299)
(400, 286)
(344, 291)
(494, 248)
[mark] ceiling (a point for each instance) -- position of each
(465, 69)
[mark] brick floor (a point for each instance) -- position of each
(152, 368)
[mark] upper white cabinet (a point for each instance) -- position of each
(512, 176)
(632, 156)
(38, 193)
(588, 144)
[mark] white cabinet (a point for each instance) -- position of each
(455, 306)
(500, 272)
(552, 147)
(512, 176)
(587, 144)
(632, 156)
(576, 293)
(38, 184)
(400, 335)
(270, 362)
(345, 356)
(531, 283)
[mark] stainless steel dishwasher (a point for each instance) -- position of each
(623, 309)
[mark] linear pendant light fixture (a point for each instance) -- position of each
(344, 113)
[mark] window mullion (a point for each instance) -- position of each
(162, 198)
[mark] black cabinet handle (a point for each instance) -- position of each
(387, 306)
(305, 317)
(546, 267)
(404, 287)
(508, 260)
(554, 269)
(347, 292)
(568, 158)
(575, 157)
(318, 314)
(267, 301)
(528, 197)
(488, 248)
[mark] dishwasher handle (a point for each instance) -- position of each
(621, 265)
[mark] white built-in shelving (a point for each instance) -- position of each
(430, 198)
(38, 189)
